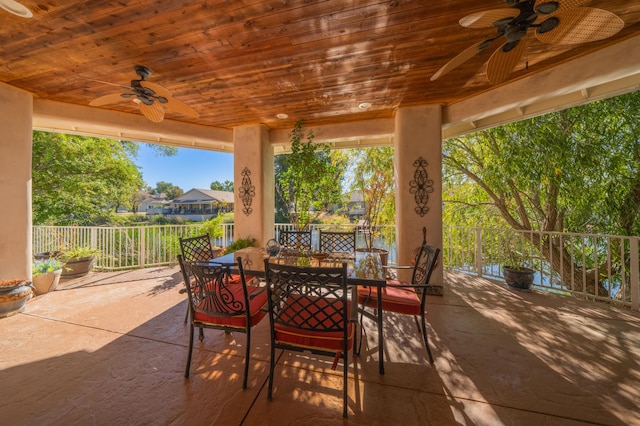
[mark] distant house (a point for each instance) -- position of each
(352, 206)
(201, 204)
(154, 205)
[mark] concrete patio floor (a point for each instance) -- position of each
(110, 348)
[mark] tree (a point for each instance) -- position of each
(168, 189)
(373, 176)
(80, 180)
(220, 186)
(308, 180)
(566, 171)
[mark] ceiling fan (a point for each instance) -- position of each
(561, 22)
(151, 98)
(16, 8)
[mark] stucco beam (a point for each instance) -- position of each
(76, 119)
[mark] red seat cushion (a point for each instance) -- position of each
(305, 336)
(235, 279)
(402, 300)
(238, 321)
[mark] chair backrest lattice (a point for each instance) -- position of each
(197, 249)
(337, 242)
(210, 292)
(299, 241)
(425, 263)
(308, 298)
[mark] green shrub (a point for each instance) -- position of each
(240, 243)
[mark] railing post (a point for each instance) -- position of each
(142, 247)
(478, 249)
(635, 274)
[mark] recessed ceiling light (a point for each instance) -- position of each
(364, 105)
(282, 116)
(16, 8)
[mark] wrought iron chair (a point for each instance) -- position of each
(295, 241)
(215, 303)
(309, 311)
(404, 298)
(339, 245)
(195, 249)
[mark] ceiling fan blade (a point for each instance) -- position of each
(562, 4)
(582, 25)
(502, 63)
(486, 18)
(113, 98)
(154, 112)
(461, 58)
(16, 8)
(180, 107)
(160, 90)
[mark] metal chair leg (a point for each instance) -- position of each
(186, 372)
(424, 337)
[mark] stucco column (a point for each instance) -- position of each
(16, 108)
(253, 181)
(418, 164)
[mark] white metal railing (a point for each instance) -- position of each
(601, 267)
(126, 247)
(387, 243)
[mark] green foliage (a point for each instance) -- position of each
(240, 243)
(78, 252)
(46, 266)
(170, 190)
(566, 171)
(228, 217)
(213, 227)
(227, 185)
(308, 180)
(374, 178)
(77, 179)
(159, 219)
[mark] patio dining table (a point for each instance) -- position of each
(364, 269)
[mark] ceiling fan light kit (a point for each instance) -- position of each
(559, 22)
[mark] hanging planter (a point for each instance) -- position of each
(14, 295)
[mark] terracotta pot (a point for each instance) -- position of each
(45, 283)
(13, 299)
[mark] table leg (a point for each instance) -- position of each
(380, 336)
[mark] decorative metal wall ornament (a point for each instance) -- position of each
(421, 186)
(247, 191)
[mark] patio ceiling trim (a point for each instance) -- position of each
(608, 72)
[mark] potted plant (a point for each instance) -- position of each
(78, 261)
(46, 275)
(14, 295)
(514, 271)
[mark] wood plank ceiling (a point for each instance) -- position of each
(240, 62)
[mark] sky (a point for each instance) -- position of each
(189, 168)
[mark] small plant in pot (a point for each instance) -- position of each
(46, 275)
(515, 273)
(78, 261)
